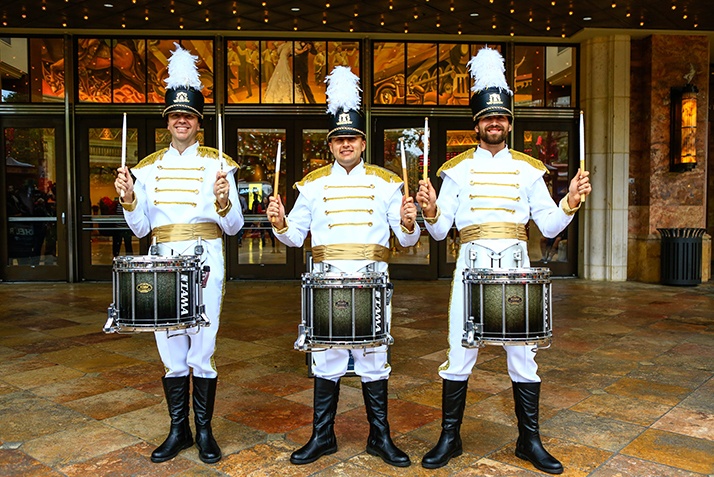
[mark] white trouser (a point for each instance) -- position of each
(522, 367)
(180, 352)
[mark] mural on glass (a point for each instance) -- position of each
(454, 78)
(47, 69)
(157, 54)
(129, 71)
(30, 176)
(388, 70)
(94, 75)
(243, 68)
(422, 73)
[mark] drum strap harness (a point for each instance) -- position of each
(184, 232)
(493, 230)
(350, 251)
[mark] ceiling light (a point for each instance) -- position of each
(587, 19)
(109, 5)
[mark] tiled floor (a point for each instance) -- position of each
(627, 387)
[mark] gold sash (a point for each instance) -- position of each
(183, 232)
(493, 230)
(350, 251)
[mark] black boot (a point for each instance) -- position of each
(529, 446)
(323, 440)
(453, 403)
(179, 438)
(380, 442)
(204, 397)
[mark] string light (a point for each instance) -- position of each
(438, 21)
(295, 24)
(238, 24)
(459, 31)
(207, 17)
(406, 27)
(172, 9)
(381, 19)
(324, 18)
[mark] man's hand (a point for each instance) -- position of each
(276, 213)
(408, 213)
(124, 183)
(579, 186)
(221, 189)
(426, 196)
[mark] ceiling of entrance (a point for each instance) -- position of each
(537, 18)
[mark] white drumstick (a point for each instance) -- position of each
(123, 148)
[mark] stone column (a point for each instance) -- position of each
(605, 99)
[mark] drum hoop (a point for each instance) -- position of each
(143, 263)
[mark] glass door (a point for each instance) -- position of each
(35, 202)
(414, 262)
(554, 143)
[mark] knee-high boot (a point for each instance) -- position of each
(453, 403)
(179, 438)
(380, 442)
(323, 440)
(529, 446)
(204, 398)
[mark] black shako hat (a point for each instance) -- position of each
(492, 96)
(343, 103)
(183, 86)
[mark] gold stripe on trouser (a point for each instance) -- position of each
(493, 230)
(182, 232)
(350, 251)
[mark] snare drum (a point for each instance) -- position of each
(507, 307)
(153, 293)
(344, 311)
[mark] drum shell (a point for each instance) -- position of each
(348, 311)
(156, 293)
(516, 305)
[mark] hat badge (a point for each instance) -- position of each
(181, 97)
(494, 98)
(344, 118)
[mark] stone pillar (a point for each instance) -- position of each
(605, 99)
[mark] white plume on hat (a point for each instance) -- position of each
(342, 90)
(487, 69)
(183, 72)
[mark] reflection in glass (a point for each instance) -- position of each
(256, 153)
(110, 236)
(157, 54)
(204, 50)
(421, 73)
(47, 69)
(30, 176)
(343, 53)
(454, 78)
(544, 76)
(551, 147)
(457, 141)
(414, 155)
(279, 87)
(94, 76)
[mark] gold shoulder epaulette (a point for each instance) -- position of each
(456, 160)
(151, 158)
(519, 156)
(384, 174)
(205, 151)
(314, 175)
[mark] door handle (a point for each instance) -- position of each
(63, 218)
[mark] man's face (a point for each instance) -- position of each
(347, 150)
(493, 130)
(183, 127)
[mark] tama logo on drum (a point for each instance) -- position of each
(377, 313)
(144, 287)
(185, 295)
(514, 300)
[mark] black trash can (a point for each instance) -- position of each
(681, 256)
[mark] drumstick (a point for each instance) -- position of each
(404, 169)
(220, 144)
(582, 149)
(426, 153)
(123, 148)
(277, 174)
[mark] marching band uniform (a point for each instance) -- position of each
(349, 213)
(491, 198)
(175, 202)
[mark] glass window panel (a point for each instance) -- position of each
(343, 53)
(528, 76)
(421, 73)
(14, 79)
(30, 175)
(551, 147)
(110, 235)
(279, 85)
(307, 87)
(315, 151)
(129, 71)
(47, 69)
(413, 157)
(158, 52)
(454, 78)
(388, 67)
(204, 50)
(243, 68)
(560, 74)
(457, 141)
(256, 153)
(94, 75)
(320, 71)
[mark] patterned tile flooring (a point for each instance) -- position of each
(627, 387)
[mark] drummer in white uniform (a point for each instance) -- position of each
(490, 193)
(349, 208)
(184, 196)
